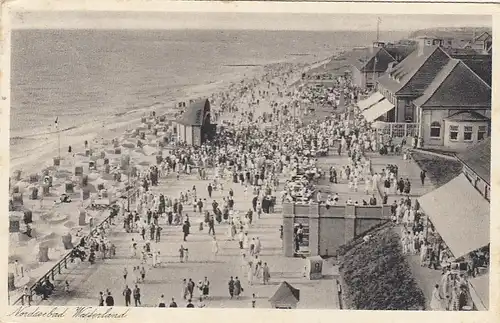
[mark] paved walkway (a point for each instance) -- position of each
(87, 281)
(425, 277)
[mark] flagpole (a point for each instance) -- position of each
(58, 138)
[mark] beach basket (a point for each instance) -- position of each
(17, 175)
(118, 150)
(15, 189)
(142, 135)
(56, 161)
(82, 218)
(124, 161)
(45, 172)
(69, 187)
(45, 190)
(84, 180)
(85, 193)
(143, 119)
(155, 132)
(117, 176)
(150, 125)
(100, 187)
(103, 154)
(133, 172)
(162, 118)
(28, 216)
(33, 178)
(139, 144)
(43, 253)
(159, 159)
(106, 161)
(17, 200)
(116, 144)
(66, 240)
(87, 152)
(104, 194)
(78, 170)
(33, 193)
(11, 278)
(106, 168)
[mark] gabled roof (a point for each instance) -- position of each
(479, 64)
(478, 158)
(372, 60)
(415, 72)
(285, 294)
(457, 86)
(484, 36)
(193, 116)
(467, 116)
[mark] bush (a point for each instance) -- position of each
(377, 276)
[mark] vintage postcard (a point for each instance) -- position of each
(253, 155)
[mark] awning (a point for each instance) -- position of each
(369, 101)
(377, 110)
(479, 288)
(460, 215)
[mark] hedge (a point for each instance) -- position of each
(377, 276)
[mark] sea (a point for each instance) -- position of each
(79, 76)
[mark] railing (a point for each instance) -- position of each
(63, 263)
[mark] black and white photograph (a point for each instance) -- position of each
(258, 160)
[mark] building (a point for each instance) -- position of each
(476, 163)
(369, 63)
(439, 98)
(461, 208)
(194, 126)
(481, 44)
(454, 110)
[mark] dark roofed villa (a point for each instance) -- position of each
(445, 101)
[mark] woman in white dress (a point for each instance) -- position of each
(215, 248)
(436, 299)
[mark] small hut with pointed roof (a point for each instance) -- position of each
(285, 297)
(193, 126)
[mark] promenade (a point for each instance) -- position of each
(87, 281)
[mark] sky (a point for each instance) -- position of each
(235, 20)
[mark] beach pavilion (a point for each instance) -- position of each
(460, 214)
(194, 126)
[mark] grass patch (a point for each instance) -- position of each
(439, 170)
(377, 276)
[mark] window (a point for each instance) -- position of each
(467, 133)
(435, 130)
(453, 132)
(481, 132)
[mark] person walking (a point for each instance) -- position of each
(185, 229)
(137, 296)
(101, 299)
(210, 189)
(127, 292)
(423, 174)
(215, 248)
(143, 274)
(237, 288)
(436, 299)
(206, 288)
(125, 273)
(231, 287)
(265, 274)
(190, 285)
